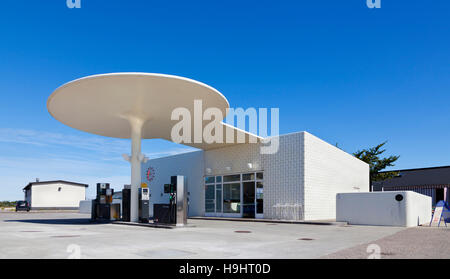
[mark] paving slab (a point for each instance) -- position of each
(414, 243)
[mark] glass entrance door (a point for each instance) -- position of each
(248, 196)
(213, 196)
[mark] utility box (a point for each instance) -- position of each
(162, 213)
(393, 208)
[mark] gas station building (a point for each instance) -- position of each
(299, 182)
(234, 179)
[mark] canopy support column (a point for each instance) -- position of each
(136, 135)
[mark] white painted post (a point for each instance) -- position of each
(136, 134)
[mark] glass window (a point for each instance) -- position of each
(209, 179)
(259, 175)
(232, 178)
(232, 198)
(218, 198)
(248, 176)
(259, 198)
(218, 179)
(209, 198)
(259, 190)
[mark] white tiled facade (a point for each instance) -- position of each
(301, 180)
(329, 170)
(283, 179)
(187, 164)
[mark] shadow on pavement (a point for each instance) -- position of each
(79, 221)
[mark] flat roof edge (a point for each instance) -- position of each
(54, 182)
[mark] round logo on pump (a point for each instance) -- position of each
(150, 174)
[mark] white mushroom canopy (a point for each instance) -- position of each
(103, 105)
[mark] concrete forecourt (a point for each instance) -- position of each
(71, 235)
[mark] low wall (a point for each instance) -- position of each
(393, 208)
(86, 207)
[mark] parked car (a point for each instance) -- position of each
(22, 206)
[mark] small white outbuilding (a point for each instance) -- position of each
(56, 194)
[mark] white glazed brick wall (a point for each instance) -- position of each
(237, 157)
(283, 179)
(187, 164)
(305, 172)
(328, 171)
(282, 172)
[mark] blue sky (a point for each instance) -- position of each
(345, 73)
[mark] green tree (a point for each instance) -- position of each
(372, 157)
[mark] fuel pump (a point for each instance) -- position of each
(101, 206)
(144, 203)
(181, 205)
(126, 203)
(173, 201)
(175, 212)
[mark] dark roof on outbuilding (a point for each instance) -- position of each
(419, 169)
(55, 182)
(434, 177)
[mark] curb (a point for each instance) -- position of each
(319, 223)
